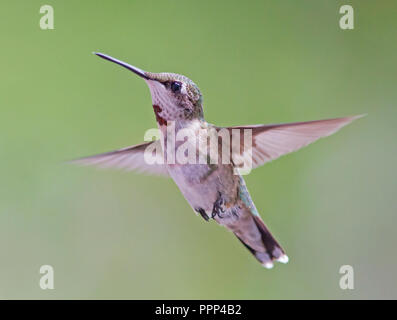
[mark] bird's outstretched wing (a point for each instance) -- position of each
(130, 158)
(272, 141)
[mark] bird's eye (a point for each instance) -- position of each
(176, 86)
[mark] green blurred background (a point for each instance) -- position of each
(110, 234)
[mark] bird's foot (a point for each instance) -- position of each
(203, 213)
(218, 207)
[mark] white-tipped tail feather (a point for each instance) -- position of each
(283, 259)
(268, 265)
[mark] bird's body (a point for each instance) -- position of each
(200, 183)
(217, 191)
(214, 188)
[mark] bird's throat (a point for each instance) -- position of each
(160, 120)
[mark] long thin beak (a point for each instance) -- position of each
(135, 70)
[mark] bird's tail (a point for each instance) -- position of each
(256, 237)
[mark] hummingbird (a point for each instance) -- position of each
(214, 190)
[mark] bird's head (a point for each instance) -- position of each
(174, 97)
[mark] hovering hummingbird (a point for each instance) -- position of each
(215, 191)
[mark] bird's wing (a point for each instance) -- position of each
(272, 141)
(131, 158)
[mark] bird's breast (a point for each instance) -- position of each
(201, 184)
